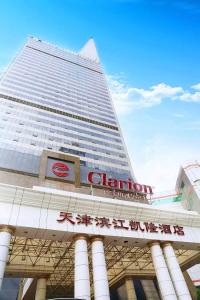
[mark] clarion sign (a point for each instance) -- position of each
(113, 183)
(113, 186)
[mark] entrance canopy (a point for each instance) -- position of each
(47, 222)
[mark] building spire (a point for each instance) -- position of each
(89, 50)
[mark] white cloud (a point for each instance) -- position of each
(128, 98)
(196, 86)
(189, 97)
(158, 161)
(157, 157)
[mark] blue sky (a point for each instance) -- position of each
(150, 53)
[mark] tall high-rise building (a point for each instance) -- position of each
(62, 161)
(55, 105)
(59, 100)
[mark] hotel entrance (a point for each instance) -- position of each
(67, 244)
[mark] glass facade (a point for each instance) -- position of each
(58, 100)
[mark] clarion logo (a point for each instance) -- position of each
(60, 169)
(103, 180)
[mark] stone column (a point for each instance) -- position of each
(164, 281)
(5, 237)
(130, 289)
(20, 291)
(101, 287)
(150, 290)
(41, 289)
(81, 272)
(180, 285)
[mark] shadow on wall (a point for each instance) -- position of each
(9, 290)
(120, 293)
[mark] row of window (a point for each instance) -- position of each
(88, 144)
(31, 147)
(17, 158)
(91, 82)
(68, 103)
(79, 82)
(59, 120)
(96, 79)
(52, 127)
(54, 63)
(84, 96)
(52, 88)
(62, 129)
(23, 92)
(64, 54)
(18, 99)
(49, 123)
(73, 60)
(77, 100)
(27, 137)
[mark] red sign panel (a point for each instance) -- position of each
(60, 169)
